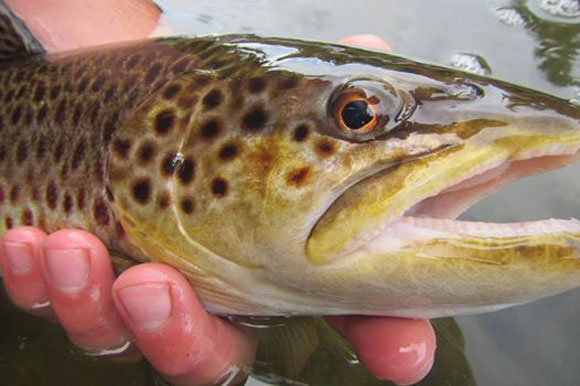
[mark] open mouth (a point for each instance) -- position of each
(438, 214)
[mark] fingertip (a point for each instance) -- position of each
(399, 350)
(172, 328)
(367, 41)
(22, 275)
(77, 270)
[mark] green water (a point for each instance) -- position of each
(535, 344)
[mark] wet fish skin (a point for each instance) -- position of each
(221, 156)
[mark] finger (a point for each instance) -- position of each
(368, 41)
(79, 276)
(175, 333)
(20, 256)
(64, 24)
(399, 350)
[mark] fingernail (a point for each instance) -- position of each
(149, 305)
(68, 269)
(18, 257)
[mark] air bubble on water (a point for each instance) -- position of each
(470, 63)
(509, 16)
(563, 8)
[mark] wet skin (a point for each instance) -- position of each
(67, 267)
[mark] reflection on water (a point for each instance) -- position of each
(536, 344)
(560, 62)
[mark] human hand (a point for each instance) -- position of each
(154, 306)
(101, 312)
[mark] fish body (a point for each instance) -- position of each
(286, 177)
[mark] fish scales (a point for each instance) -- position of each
(282, 176)
(59, 116)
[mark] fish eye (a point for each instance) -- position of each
(358, 113)
(364, 109)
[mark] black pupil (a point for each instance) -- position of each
(357, 114)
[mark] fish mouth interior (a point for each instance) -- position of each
(439, 213)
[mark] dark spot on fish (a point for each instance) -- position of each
(34, 193)
(109, 127)
(55, 91)
(171, 91)
(187, 205)
(42, 224)
(16, 114)
(301, 133)
(255, 119)
(93, 110)
(2, 153)
(21, 152)
(101, 212)
(67, 203)
(210, 129)
(98, 83)
(58, 151)
(14, 194)
(146, 152)
(228, 152)
(64, 172)
(212, 99)
(39, 92)
(110, 93)
(219, 187)
(325, 148)
(82, 86)
(9, 96)
(78, 155)
(120, 230)
(9, 223)
(99, 170)
(77, 114)
(110, 195)
(181, 65)
(41, 114)
(27, 116)
(217, 63)
(129, 83)
(153, 73)
(2, 194)
(186, 171)
(60, 115)
(164, 121)
(81, 199)
(169, 164)
(164, 200)
(133, 61)
(142, 190)
(298, 176)
(51, 195)
(27, 217)
(256, 85)
(288, 83)
(21, 91)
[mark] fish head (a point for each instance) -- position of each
(319, 179)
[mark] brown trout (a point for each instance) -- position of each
(288, 177)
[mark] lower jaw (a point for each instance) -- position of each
(436, 216)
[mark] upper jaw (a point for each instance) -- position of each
(440, 185)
